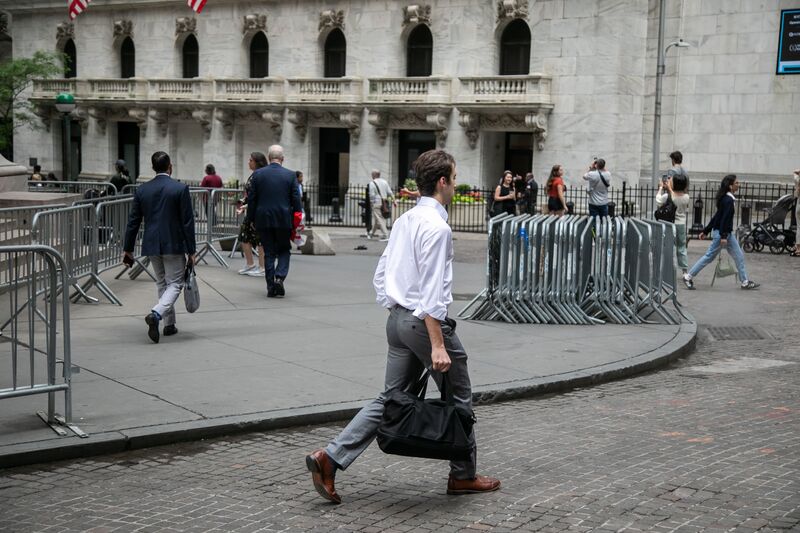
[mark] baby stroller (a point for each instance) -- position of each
(772, 231)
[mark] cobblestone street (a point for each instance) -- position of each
(711, 443)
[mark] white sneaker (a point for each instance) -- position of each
(247, 269)
(385, 239)
(256, 272)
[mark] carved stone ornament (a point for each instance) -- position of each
(3, 23)
(471, 122)
(203, 117)
(82, 117)
(331, 18)
(123, 28)
(226, 118)
(538, 123)
(160, 117)
(416, 14)
(437, 119)
(300, 121)
(254, 22)
(379, 121)
(139, 115)
(512, 9)
(185, 25)
(45, 114)
(100, 117)
(275, 120)
(352, 121)
(64, 31)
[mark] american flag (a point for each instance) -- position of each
(76, 7)
(197, 5)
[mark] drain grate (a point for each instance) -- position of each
(736, 333)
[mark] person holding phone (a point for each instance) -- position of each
(599, 181)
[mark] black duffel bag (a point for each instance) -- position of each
(434, 429)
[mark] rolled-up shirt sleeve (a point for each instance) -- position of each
(379, 282)
(433, 257)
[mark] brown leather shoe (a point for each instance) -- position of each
(323, 472)
(472, 486)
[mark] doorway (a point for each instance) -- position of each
(411, 144)
(334, 164)
(519, 153)
(75, 149)
(128, 146)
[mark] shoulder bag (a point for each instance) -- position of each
(386, 206)
(435, 429)
(666, 212)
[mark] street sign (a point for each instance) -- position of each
(789, 42)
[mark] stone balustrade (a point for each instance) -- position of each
(533, 89)
(430, 90)
(325, 90)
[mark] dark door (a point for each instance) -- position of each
(334, 150)
(519, 153)
(128, 146)
(412, 143)
(75, 147)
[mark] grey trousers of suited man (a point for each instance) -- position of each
(409, 353)
(169, 271)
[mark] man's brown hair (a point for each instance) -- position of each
(431, 166)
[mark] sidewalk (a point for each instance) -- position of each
(247, 362)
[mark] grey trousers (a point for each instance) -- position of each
(169, 280)
(409, 353)
(378, 222)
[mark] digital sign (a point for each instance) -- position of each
(789, 43)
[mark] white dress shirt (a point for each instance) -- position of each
(416, 269)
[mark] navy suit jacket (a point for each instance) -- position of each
(274, 197)
(166, 207)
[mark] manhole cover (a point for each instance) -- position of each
(742, 364)
(736, 333)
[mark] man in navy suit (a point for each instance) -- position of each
(168, 241)
(273, 200)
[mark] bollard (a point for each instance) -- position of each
(697, 225)
(612, 207)
(335, 216)
(570, 208)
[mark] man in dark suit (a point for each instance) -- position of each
(168, 241)
(274, 199)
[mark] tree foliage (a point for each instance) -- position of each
(15, 76)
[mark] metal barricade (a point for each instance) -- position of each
(36, 335)
(225, 222)
(577, 269)
(16, 222)
(203, 223)
(75, 187)
(112, 222)
(130, 188)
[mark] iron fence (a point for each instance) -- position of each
(76, 187)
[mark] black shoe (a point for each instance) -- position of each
(152, 327)
(170, 330)
(688, 282)
(750, 285)
(279, 290)
(271, 291)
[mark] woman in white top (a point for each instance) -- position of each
(675, 188)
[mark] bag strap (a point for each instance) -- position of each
(600, 173)
(375, 183)
(420, 387)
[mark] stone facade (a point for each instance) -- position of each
(590, 92)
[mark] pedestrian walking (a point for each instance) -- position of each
(413, 280)
(273, 200)
(380, 199)
(211, 180)
(677, 166)
(556, 204)
(599, 181)
(168, 241)
(504, 196)
(721, 230)
(248, 236)
(796, 176)
(531, 193)
(674, 189)
(121, 177)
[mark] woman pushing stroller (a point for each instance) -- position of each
(721, 231)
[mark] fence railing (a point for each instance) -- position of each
(36, 331)
(74, 187)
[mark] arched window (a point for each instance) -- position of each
(335, 54)
(259, 56)
(71, 61)
(515, 49)
(419, 54)
(191, 57)
(127, 56)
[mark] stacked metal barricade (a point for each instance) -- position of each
(543, 269)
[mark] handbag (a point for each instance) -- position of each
(667, 211)
(386, 206)
(191, 296)
(434, 428)
(724, 267)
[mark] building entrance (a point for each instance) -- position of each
(75, 149)
(334, 164)
(128, 146)
(411, 144)
(519, 153)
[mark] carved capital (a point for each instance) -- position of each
(160, 117)
(100, 119)
(64, 31)
(254, 22)
(300, 121)
(185, 25)
(3, 23)
(352, 121)
(330, 18)
(441, 138)
(437, 119)
(538, 123)
(45, 114)
(226, 118)
(471, 122)
(416, 14)
(380, 121)
(139, 115)
(80, 115)
(274, 118)
(512, 9)
(203, 117)
(123, 28)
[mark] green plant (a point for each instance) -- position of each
(410, 184)
(463, 188)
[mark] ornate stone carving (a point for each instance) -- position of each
(254, 22)
(100, 117)
(82, 117)
(185, 25)
(300, 121)
(441, 138)
(512, 9)
(416, 14)
(380, 121)
(181, 113)
(45, 114)
(226, 118)
(203, 117)
(471, 122)
(123, 28)
(538, 123)
(437, 119)
(331, 18)
(3, 23)
(64, 31)
(160, 117)
(275, 120)
(503, 122)
(352, 121)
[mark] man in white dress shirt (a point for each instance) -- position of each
(413, 280)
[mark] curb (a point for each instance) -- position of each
(14, 455)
